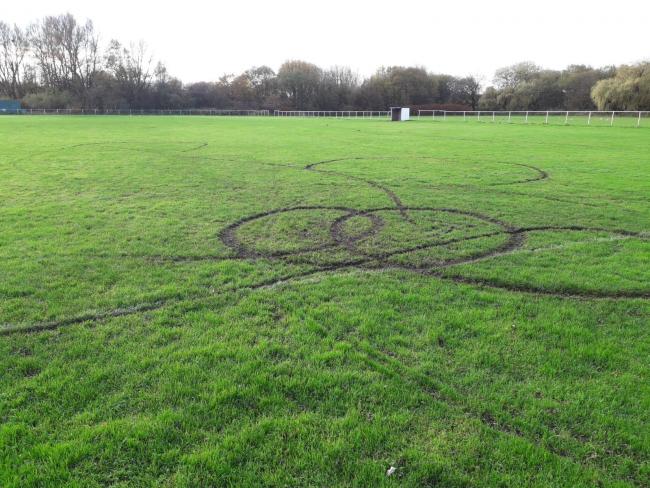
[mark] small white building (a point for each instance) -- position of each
(400, 114)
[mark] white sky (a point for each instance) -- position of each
(201, 40)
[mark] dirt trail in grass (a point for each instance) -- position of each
(374, 184)
(340, 239)
(513, 238)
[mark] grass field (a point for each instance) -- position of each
(308, 302)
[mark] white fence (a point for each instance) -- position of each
(344, 114)
(94, 111)
(547, 117)
(557, 117)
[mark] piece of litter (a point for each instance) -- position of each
(391, 470)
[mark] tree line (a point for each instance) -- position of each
(57, 62)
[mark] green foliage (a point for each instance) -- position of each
(629, 89)
(525, 86)
(517, 74)
(300, 82)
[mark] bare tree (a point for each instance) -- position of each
(131, 67)
(343, 76)
(337, 88)
(66, 53)
(14, 47)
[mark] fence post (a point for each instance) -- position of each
(611, 122)
(638, 121)
(566, 119)
(478, 116)
(526, 116)
(546, 122)
(509, 116)
(493, 116)
(464, 117)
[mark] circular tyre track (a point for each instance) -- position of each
(515, 237)
(230, 238)
(340, 239)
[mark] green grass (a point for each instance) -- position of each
(396, 312)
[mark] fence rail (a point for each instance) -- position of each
(93, 111)
(565, 117)
(557, 117)
(349, 114)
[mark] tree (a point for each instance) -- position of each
(489, 100)
(545, 91)
(14, 46)
(55, 63)
(409, 86)
(397, 86)
(466, 91)
(442, 88)
(208, 95)
(337, 88)
(629, 89)
(577, 81)
(512, 76)
(131, 68)
(168, 92)
(263, 82)
(66, 53)
(525, 86)
(299, 82)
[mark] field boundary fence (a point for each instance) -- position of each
(343, 114)
(624, 118)
(636, 118)
(93, 111)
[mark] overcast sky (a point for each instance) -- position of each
(201, 40)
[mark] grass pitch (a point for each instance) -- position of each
(310, 302)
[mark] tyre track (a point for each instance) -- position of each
(515, 238)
